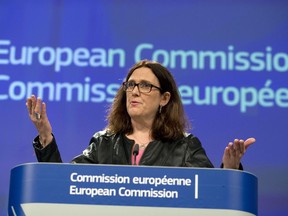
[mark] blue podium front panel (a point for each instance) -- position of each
(70, 189)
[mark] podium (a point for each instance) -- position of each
(84, 189)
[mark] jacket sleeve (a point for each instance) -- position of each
(195, 154)
(100, 150)
(48, 154)
(89, 155)
(51, 152)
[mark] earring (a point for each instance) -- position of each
(160, 109)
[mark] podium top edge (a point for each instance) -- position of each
(130, 166)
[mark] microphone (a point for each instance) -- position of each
(135, 152)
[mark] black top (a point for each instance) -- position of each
(108, 148)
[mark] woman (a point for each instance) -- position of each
(147, 111)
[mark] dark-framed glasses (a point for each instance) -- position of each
(143, 87)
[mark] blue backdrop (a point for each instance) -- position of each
(230, 61)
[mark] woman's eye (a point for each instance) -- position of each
(131, 84)
(145, 85)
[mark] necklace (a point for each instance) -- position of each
(142, 145)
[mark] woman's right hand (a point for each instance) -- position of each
(37, 113)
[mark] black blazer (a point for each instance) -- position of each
(109, 148)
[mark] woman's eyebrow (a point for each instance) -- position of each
(142, 80)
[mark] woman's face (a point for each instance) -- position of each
(144, 106)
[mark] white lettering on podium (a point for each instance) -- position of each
(162, 181)
(147, 193)
(196, 187)
(75, 177)
(92, 191)
(162, 187)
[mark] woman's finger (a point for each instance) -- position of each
(37, 110)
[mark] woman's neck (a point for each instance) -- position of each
(141, 137)
(141, 132)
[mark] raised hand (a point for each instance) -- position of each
(235, 151)
(37, 113)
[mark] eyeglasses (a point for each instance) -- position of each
(143, 87)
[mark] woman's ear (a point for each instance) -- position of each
(165, 98)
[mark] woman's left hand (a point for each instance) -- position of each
(234, 152)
